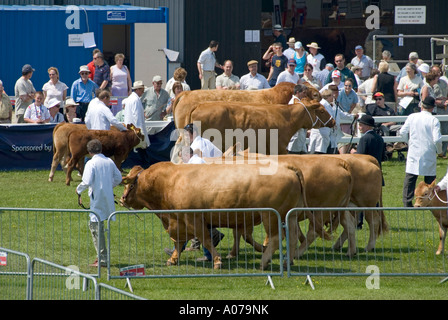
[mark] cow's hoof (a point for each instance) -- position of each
(50, 179)
(438, 253)
(217, 265)
(171, 262)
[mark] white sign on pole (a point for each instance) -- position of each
(75, 40)
(410, 14)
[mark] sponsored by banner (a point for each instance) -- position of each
(25, 147)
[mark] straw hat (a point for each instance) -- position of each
(313, 45)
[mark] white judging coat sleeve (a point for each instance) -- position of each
(100, 176)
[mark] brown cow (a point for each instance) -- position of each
(367, 192)
(115, 143)
(328, 183)
(166, 186)
(187, 100)
(426, 196)
(229, 121)
(61, 152)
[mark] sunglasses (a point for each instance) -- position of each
(378, 99)
(84, 73)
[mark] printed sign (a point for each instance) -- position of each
(133, 271)
(75, 40)
(410, 14)
(3, 259)
(116, 15)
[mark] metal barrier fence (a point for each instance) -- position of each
(407, 249)
(57, 235)
(49, 281)
(14, 271)
(137, 242)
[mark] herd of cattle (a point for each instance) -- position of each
(299, 181)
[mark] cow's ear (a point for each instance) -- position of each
(433, 184)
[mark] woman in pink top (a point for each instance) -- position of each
(121, 82)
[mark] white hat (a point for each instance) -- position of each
(291, 41)
(424, 67)
(53, 102)
(277, 27)
(156, 79)
(298, 45)
(336, 74)
(138, 85)
(84, 69)
(71, 102)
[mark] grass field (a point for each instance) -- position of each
(30, 189)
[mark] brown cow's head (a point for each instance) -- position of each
(312, 93)
(424, 193)
(129, 199)
(322, 117)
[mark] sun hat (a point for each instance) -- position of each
(313, 45)
(84, 69)
(252, 62)
(291, 41)
(156, 79)
(70, 102)
(277, 27)
(53, 102)
(138, 85)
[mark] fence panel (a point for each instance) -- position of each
(50, 281)
(56, 235)
(407, 249)
(14, 280)
(137, 243)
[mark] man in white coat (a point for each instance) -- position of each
(99, 116)
(297, 143)
(425, 143)
(100, 176)
(134, 113)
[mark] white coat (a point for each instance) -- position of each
(208, 149)
(297, 143)
(320, 138)
(134, 113)
(100, 175)
(422, 130)
(99, 117)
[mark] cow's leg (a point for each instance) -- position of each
(54, 164)
(300, 217)
(442, 237)
(271, 241)
(175, 256)
(250, 240)
(236, 244)
(293, 237)
(316, 219)
(373, 219)
(206, 240)
(70, 167)
(348, 223)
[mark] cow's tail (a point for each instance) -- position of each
(319, 227)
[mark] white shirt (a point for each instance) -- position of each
(208, 149)
(315, 62)
(286, 76)
(195, 159)
(249, 82)
(100, 175)
(207, 60)
(133, 113)
(425, 141)
(99, 117)
(289, 53)
(34, 112)
(54, 91)
(365, 63)
(297, 143)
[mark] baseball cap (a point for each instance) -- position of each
(413, 55)
(358, 47)
(156, 79)
(336, 74)
(292, 62)
(378, 94)
(298, 45)
(27, 68)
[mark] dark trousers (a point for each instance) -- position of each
(81, 110)
(409, 183)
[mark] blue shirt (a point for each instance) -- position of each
(345, 100)
(81, 92)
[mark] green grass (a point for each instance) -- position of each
(30, 189)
